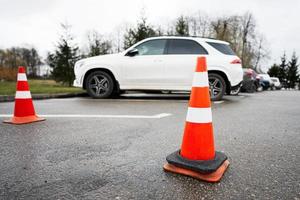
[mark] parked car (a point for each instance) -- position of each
(260, 83)
(266, 81)
(251, 82)
(276, 82)
(165, 63)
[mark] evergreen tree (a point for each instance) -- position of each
(182, 27)
(98, 46)
(63, 59)
(134, 35)
(283, 70)
(292, 71)
(274, 71)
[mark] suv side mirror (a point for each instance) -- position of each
(132, 52)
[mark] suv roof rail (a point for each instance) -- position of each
(195, 36)
(192, 36)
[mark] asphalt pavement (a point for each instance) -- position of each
(116, 148)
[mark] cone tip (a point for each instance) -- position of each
(21, 69)
(201, 64)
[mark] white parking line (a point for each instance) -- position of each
(158, 116)
(218, 102)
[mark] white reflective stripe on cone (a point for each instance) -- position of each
(22, 77)
(23, 95)
(199, 115)
(200, 79)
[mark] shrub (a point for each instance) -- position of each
(8, 74)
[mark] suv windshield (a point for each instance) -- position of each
(223, 48)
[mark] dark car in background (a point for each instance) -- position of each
(266, 82)
(251, 82)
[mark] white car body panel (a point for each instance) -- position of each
(141, 71)
(276, 81)
(159, 72)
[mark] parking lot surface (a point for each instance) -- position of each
(113, 155)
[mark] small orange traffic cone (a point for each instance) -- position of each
(24, 111)
(197, 157)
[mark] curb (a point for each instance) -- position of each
(9, 98)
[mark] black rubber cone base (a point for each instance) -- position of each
(201, 166)
(206, 170)
(212, 177)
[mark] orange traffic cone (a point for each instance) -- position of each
(24, 110)
(197, 157)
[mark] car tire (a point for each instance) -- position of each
(217, 86)
(236, 91)
(99, 85)
(252, 88)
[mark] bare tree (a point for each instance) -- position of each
(262, 53)
(200, 25)
(222, 28)
(248, 27)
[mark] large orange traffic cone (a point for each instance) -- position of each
(24, 111)
(197, 157)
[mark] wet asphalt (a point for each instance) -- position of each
(122, 158)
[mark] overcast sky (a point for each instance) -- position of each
(36, 22)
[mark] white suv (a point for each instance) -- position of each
(163, 63)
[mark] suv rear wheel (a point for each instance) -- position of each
(217, 86)
(99, 85)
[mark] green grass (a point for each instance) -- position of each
(38, 87)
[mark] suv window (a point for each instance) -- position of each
(182, 46)
(223, 48)
(152, 47)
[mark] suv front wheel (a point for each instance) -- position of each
(99, 85)
(217, 86)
